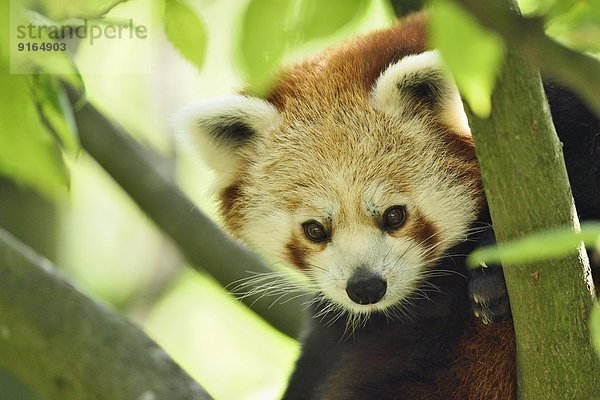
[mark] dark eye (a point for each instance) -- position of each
(315, 232)
(393, 218)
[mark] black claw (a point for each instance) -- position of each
(488, 294)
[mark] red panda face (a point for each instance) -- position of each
(360, 190)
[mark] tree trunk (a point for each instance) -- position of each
(527, 189)
(68, 347)
(33, 220)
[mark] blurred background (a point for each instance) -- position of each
(83, 221)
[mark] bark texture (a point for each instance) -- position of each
(527, 189)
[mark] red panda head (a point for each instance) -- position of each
(362, 187)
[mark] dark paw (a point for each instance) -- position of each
(488, 294)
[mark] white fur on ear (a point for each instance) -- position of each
(218, 129)
(420, 85)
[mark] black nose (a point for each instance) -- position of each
(365, 287)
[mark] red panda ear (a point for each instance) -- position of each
(419, 86)
(218, 130)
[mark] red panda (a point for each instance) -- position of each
(358, 169)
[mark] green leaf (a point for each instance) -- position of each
(574, 23)
(318, 18)
(538, 7)
(42, 62)
(48, 67)
(265, 36)
(595, 328)
(473, 54)
(64, 9)
(28, 153)
(54, 105)
(560, 7)
(538, 246)
(271, 29)
(185, 31)
(578, 26)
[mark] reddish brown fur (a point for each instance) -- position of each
(483, 364)
(482, 367)
(423, 230)
(375, 52)
(229, 206)
(465, 161)
(297, 253)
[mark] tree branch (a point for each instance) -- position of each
(578, 71)
(68, 347)
(201, 242)
(527, 189)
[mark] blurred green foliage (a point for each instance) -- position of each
(473, 54)
(318, 18)
(185, 31)
(55, 107)
(572, 22)
(109, 248)
(63, 9)
(550, 8)
(538, 247)
(272, 29)
(264, 37)
(28, 153)
(38, 111)
(59, 64)
(577, 26)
